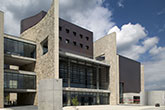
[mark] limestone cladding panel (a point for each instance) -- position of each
(1, 59)
(107, 46)
(142, 78)
(46, 65)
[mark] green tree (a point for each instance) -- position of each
(75, 101)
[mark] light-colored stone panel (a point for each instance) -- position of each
(107, 46)
(47, 65)
(1, 59)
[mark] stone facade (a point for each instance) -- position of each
(47, 65)
(1, 59)
(107, 46)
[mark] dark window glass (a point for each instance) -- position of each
(67, 30)
(81, 45)
(87, 38)
(87, 47)
(44, 45)
(14, 47)
(19, 81)
(81, 36)
(67, 41)
(60, 28)
(74, 33)
(74, 43)
(60, 38)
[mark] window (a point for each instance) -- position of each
(44, 45)
(67, 30)
(81, 36)
(74, 43)
(81, 45)
(74, 33)
(87, 38)
(60, 38)
(67, 41)
(60, 28)
(87, 47)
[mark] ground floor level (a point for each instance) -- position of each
(96, 107)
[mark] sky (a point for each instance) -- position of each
(139, 25)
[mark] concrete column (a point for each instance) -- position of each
(69, 69)
(98, 99)
(97, 78)
(50, 94)
(1, 59)
(69, 99)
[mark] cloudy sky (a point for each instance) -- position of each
(139, 24)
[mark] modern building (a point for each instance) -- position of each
(52, 48)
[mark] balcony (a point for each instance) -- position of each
(19, 81)
(18, 52)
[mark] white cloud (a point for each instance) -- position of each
(132, 40)
(154, 69)
(120, 3)
(20, 9)
(89, 14)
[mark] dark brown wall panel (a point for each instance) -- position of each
(129, 73)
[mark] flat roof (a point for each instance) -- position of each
(74, 56)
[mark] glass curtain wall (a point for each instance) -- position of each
(14, 47)
(76, 74)
(19, 81)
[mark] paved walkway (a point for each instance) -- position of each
(97, 107)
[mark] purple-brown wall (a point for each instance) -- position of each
(80, 39)
(130, 75)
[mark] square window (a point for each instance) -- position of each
(44, 45)
(74, 33)
(74, 43)
(87, 47)
(67, 41)
(81, 45)
(87, 38)
(81, 36)
(67, 30)
(60, 38)
(60, 28)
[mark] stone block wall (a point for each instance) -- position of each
(47, 65)
(107, 46)
(1, 59)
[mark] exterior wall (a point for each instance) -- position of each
(101, 47)
(142, 78)
(67, 47)
(129, 72)
(29, 22)
(47, 66)
(1, 59)
(70, 47)
(153, 97)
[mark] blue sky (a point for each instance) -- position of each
(148, 13)
(139, 27)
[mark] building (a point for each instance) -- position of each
(49, 47)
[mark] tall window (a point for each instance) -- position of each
(44, 45)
